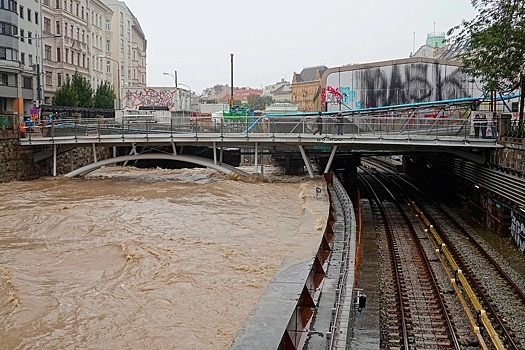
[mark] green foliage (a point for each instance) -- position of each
(105, 96)
(495, 44)
(257, 102)
(66, 96)
(83, 90)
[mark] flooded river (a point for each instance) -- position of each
(143, 259)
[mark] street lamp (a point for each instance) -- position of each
(174, 77)
(117, 105)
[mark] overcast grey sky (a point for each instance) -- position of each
(272, 39)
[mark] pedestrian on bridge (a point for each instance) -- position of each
(494, 125)
(339, 121)
(319, 122)
(483, 126)
(477, 125)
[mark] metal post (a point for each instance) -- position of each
(256, 156)
(306, 162)
(54, 160)
(330, 160)
(94, 153)
(215, 153)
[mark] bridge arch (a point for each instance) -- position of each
(223, 168)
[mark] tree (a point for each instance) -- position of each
(105, 96)
(83, 90)
(66, 96)
(257, 102)
(495, 45)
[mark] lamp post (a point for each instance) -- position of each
(174, 77)
(117, 105)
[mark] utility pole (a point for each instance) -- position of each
(231, 88)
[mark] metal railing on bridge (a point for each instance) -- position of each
(391, 125)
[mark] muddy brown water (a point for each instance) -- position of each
(142, 259)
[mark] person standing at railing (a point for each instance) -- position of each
(339, 120)
(319, 122)
(483, 126)
(477, 125)
(494, 125)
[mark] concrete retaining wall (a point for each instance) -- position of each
(16, 162)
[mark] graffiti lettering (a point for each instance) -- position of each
(517, 231)
(146, 97)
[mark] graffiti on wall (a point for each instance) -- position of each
(395, 85)
(148, 97)
(517, 231)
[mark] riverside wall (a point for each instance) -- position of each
(16, 162)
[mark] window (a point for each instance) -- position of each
(23, 57)
(108, 25)
(29, 38)
(36, 17)
(29, 15)
(77, 12)
(47, 52)
(71, 30)
(57, 25)
(27, 83)
(59, 79)
(30, 59)
(4, 79)
(21, 11)
(22, 36)
(46, 2)
(108, 45)
(65, 29)
(67, 56)
(49, 79)
(57, 4)
(8, 54)
(82, 12)
(108, 66)
(59, 55)
(47, 25)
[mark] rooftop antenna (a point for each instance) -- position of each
(414, 44)
(435, 41)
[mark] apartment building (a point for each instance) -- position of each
(66, 43)
(20, 55)
(93, 38)
(125, 29)
(139, 45)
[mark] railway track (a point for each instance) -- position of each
(493, 290)
(414, 312)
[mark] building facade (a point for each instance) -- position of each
(66, 43)
(306, 88)
(20, 56)
(394, 82)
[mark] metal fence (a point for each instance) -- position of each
(351, 126)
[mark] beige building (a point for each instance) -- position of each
(139, 46)
(306, 88)
(100, 39)
(129, 47)
(101, 43)
(65, 42)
